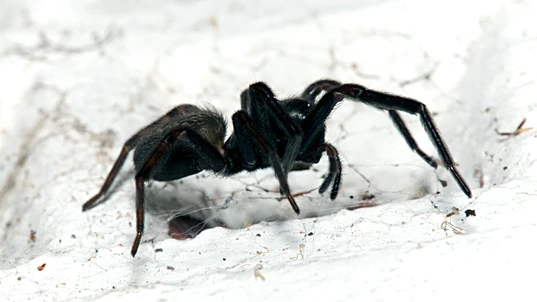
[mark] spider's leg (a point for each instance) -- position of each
(334, 171)
(246, 130)
(269, 115)
(144, 174)
(300, 166)
(209, 151)
(400, 124)
(314, 122)
(127, 148)
(246, 147)
(246, 103)
(390, 102)
(334, 168)
(314, 89)
(140, 195)
(327, 84)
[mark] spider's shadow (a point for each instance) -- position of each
(186, 209)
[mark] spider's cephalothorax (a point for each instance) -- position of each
(285, 135)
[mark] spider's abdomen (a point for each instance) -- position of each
(181, 159)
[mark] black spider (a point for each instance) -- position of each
(284, 135)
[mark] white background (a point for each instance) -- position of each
(78, 78)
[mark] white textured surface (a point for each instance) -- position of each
(78, 78)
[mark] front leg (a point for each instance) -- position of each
(246, 131)
(314, 89)
(394, 103)
(334, 167)
(272, 120)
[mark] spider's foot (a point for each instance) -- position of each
(293, 203)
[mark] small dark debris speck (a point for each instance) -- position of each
(171, 268)
(73, 236)
(258, 235)
(224, 259)
(41, 267)
(505, 168)
(19, 278)
(310, 234)
(368, 196)
(469, 213)
(113, 287)
(32, 235)
(159, 250)
(351, 197)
